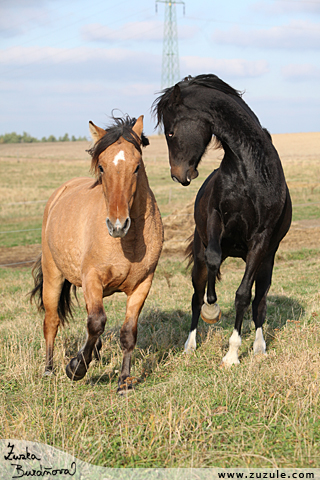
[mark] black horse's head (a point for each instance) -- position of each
(187, 133)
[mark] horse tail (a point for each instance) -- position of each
(189, 251)
(37, 291)
(65, 305)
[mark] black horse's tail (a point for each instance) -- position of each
(189, 251)
(189, 254)
(65, 305)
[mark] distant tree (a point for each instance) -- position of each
(65, 138)
(52, 138)
(26, 138)
(14, 137)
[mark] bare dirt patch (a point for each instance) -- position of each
(17, 257)
(178, 227)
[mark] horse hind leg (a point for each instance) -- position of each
(199, 281)
(242, 302)
(259, 304)
(93, 294)
(52, 286)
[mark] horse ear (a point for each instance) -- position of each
(96, 132)
(175, 96)
(138, 126)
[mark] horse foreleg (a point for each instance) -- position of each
(199, 281)
(128, 332)
(210, 311)
(93, 294)
(259, 304)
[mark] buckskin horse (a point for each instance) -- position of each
(104, 235)
(243, 209)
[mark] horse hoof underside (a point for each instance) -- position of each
(75, 370)
(127, 385)
(210, 313)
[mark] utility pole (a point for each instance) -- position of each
(170, 54)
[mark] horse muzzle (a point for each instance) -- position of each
(118, 229)
(184, 178)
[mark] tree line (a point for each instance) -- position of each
(26, 138)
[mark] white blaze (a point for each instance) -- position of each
(119, 156)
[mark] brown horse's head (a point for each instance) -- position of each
(116, 159)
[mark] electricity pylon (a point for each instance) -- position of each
(170, 55)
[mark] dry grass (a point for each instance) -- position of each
(186, 410)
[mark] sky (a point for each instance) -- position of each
(63, 63)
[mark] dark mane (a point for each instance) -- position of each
(212, 81)
(163, 102)
(122, 127)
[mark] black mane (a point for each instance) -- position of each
(122, 127)
(163, 102)
(212, 81)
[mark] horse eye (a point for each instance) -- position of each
(136, 170)
(170, 134)
(100, 168)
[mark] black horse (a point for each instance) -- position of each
(243, 209)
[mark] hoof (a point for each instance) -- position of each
(75, 370)
(259, 345)
(127, 385)
(259, 350)
(226, 363)
(191, 345)
(210, 313)
(48, 373)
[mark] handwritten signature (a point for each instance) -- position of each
(20, 471)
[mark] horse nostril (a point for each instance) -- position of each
(109, 225)
(174, 178)
(126, 224)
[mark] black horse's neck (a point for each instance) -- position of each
(238, 130)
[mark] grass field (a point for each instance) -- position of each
(186, 410)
